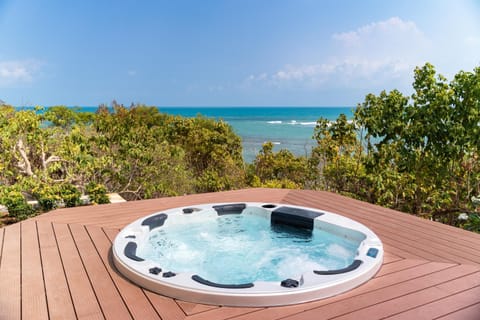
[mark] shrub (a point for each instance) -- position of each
(70, 195)
(97, 193)
(17, 206)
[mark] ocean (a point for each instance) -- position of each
(287, 127)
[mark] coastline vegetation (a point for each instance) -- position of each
(418, 154)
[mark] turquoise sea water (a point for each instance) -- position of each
(287, 127)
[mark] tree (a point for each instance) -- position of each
(213, 152)
(423, 148)
(278, 170)
(135, 158)
(338, 156)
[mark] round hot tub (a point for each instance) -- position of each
(247, 254)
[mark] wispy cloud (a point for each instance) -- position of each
(384, 51)
(18, 71)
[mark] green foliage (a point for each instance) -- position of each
(133, 155)
(278, 170)
(338, 157)
(70, 195)
(415, 153)
(17, 206)
(213, 152)
(47, 195)
(57, 153)
(66, 117)
(473, 223)
(97, 193)
(418, 154)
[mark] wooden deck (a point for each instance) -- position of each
(58, 266)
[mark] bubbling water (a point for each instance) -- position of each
(234, 249)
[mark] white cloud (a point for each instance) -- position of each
(380, 52)
(14, 72)
(389, 30)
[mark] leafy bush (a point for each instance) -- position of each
(47, 195)
(473, 223)
(97, 193)
(16, 204)
(70, 195)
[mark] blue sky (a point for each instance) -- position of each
(227, 52)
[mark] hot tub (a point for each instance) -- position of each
(247, 254)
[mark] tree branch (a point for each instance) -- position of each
(26, 166)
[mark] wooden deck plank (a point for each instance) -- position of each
(406, 235)
(356, 207)
(222, 313)
(427, 266)
(192, 308)
(374, 285)
(416, 225)
(113, 307)
(134, 298)
(459, 294)
(389, 257)
(426, 303)
(2, 231)
(165, 306)
(399, 265)
(442, 307)
(34, 304)
(468, 313)
(59, 301)
(356, 304)
(10, 277)
(83, 296)
(392, 247)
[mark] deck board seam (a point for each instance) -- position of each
(1, 247)
(152, 305)
(63, 268)
(86, 271)
(409, 293)
(429, 237)
(243, 314)
(393, 261)
(388, 214)
(385, 228)
(180, 307)
(439, 299)
(42, 268)
(382, 299)
(106, 269)
(400, 270)
(203, 311)
(377, 289)
(20, 239)
(369, 292)
(103, 229)
(115, 270)
(434, 253)
(437, 227)
(416, 251)
(458, 310)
